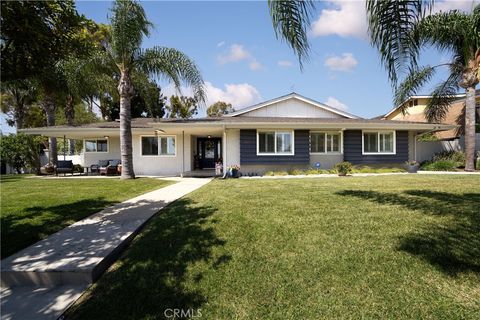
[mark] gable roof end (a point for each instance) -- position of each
(297, 96)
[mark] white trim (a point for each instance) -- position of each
(340, 132)
(96, 145)
(275, 131)
(159, 145)
(378, 132)
(292, 96)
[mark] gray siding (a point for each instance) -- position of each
(248, 149)
(352, 149)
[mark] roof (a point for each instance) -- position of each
(239, 122)
(292, 95)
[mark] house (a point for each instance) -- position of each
(447, 140)
(285, 133)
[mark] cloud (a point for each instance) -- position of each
(331, 101)
(235, 53)
(342, 18)
(346, 62)
(255, 65)
(221, 44)
(285, 63)
(239, 94)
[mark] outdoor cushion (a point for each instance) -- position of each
(64, 164)
(103, 163)
(114, 163)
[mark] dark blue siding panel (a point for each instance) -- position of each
(352, 149)
(248, 149)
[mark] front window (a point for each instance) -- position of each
(275, 142)
(379, 142)
(158, 146)
(96, 145)
(325, 142)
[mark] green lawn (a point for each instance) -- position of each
(389, 247)
(32, 208)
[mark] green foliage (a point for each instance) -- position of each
(455, 156)
(427, 137)
(441, 165)
(296, 172)
(182, 107)
(219, 108)
(21, 151)
(343, 168)
(377, 169)
(269, 173)
(290, 21)
(280, 173)
(82, 116)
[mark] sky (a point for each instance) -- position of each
(243, 63)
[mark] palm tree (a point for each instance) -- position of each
(400, 29)
(124, 53)
(290, 19)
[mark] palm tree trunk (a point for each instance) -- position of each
(470, 129)
(49, 107)
(125, 90)
(70, 115)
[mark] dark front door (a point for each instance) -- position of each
(209, 151)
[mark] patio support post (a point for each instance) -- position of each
(64, 146)
(224, 151)
(183, 152)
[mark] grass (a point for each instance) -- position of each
(389, 247)
(31, 209)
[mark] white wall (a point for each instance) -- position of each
(113, 153)
(232, 147)
(292, 108)
(426, 149)
(163, 165)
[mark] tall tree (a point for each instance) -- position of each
(16, 98)
(219, 108)
(182, 107)
(400, 29)
(125, 54)
(35, 36)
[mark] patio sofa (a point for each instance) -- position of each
(105, 167)
(64, 166)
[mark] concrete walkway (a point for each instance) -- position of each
(41, 281)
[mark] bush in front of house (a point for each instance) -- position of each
(77, 168)
(456, 156)
(371, 169)
(442, 165)
(343, 168)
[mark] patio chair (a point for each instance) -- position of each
(64, 166)
(111, 168)
(95, 168)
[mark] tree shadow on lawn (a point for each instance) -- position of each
(453, 245)
(19, 231)
(151, 276)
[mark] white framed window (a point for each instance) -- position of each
(275, 142)
(158, 146)
(95, 145)
(378, 142)
(326, 142)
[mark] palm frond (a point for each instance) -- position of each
(172, 65)
(290, 21)
(391, 25)
(443, 96)
(451, 31)
(416, 78)
(129, 25)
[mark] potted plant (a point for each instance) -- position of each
(233, 170)
(343, 168)
(412, 166)
(49, 168)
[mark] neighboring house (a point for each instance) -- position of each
(448, 140)
(288, 132)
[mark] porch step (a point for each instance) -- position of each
(46, 303)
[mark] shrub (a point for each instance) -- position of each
(455, 156)
(268, 173)
(343, 168)
(296, 172)
(442, 165)
(280, 173)
(369, 169)
(77, 168)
